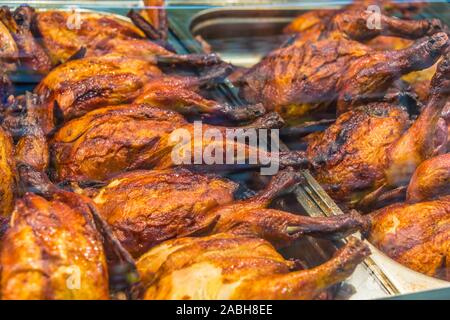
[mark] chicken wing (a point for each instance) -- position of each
(145, 208)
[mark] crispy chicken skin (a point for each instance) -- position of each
(82, 85)
(107, 141)
(430, 180)
(99, 34)
(79, 86)
(416, 235)
(8, 47)
(299, 79)
(110, 140)
(8, 176)
(418, 143)
(50, 245)
(228, 266)
(320, 19)
(374, 147)
(19, 24)
(145, 208)
(349, 158)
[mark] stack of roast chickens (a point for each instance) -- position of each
(93, 205)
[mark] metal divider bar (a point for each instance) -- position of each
(330, 208)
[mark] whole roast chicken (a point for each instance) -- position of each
(79, 86)
(312, 76)
(52, 250)
(415, 234)
(373, 148)
(110, 140)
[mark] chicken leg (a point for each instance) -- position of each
(417, 144)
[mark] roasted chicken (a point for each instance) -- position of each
(416, 235)
(8, 177)
(228, 266)
(181, 94)
(322, 19)
(65, 33)
(145, 208)
(110, 140)
(79, 86)
(30, 52)
(82, 85)
(156, 14)
(52, 250)
(299, 79)
(431, 179)
(9, 52)
(372, 148)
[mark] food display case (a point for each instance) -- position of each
(347, 99)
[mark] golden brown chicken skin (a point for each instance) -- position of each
(107, 141)
(79, 86)
(52, 251)
(374, 148)
(8, 176)
(227, 266)
(64, 33)
(111, 140)
(297, 80)
(430, 180)
(416, 235)
(349, 158)
(145, 208)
